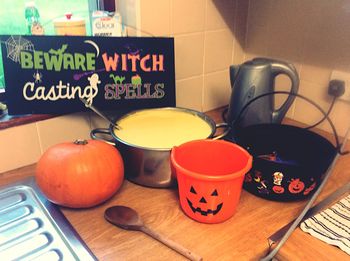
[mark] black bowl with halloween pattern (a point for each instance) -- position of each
(289, 162)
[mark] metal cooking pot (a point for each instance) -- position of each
(150, 166)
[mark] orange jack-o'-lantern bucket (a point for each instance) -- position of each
(210, 175)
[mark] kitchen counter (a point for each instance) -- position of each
(243, 237)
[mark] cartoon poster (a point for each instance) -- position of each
(49, 74)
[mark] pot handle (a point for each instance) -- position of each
(226, 131)
(103, 131)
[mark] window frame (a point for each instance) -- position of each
(92, 6)
(7, 121)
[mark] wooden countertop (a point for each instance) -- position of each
(243, 237)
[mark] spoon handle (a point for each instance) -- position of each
(90, 106)
(173, 245)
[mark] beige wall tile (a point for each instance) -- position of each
(250, 56)
(327, 33)
(284, 29)
(62, 129)
(340, 117)
(217, 90)
(189, 93)
(315, 92)
(189, 55)
(19, 147)
(315, 74)
(240, 28)
(97, 121)
(290, 10)
(130, 11)
(307, 113)
(219, 14)
(218, 50)
(238, 52)
(257, 42)
(259, 12)
(155, 17)
(188, 16)
(314, 36)
(285, 44)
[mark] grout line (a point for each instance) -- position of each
(199, 75)
(200, 32)
(203, 66)
(189, 34)
(218, 30)
(39, 138)
(171, 18)
(190, 78)
(138, 18)
(90, 120)
(234, 40)
(246, 31)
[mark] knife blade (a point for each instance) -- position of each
(275, 237)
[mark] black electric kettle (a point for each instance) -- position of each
(253, 78)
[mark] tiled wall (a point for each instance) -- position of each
(315, 37)
(209, 36)
(23, 145)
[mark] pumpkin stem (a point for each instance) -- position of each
(80, 142)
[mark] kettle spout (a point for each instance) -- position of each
(233, 73)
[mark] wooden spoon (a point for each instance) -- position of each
(127, 218)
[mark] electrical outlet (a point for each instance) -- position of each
(343, 76)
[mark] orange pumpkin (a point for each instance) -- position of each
(80, 174)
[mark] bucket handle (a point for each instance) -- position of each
(103, 131)
(335, 134)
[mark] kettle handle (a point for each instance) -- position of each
(290, 71)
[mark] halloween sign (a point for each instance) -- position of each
(49, 74)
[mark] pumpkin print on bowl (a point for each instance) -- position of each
(278, 189)
(296, 186)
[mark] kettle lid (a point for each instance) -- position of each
(257, 62)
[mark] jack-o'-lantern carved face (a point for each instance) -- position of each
(296, 186)
(203, 203)
(309, 189)
(278, 189)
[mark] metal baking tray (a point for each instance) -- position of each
(32, 228)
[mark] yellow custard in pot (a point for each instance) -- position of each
(161, 128)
